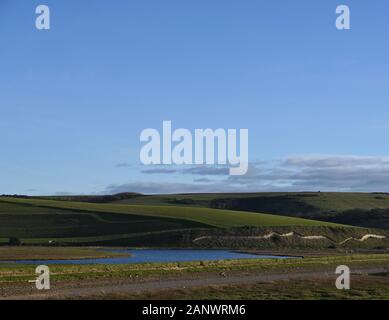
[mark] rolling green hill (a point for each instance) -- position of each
(204, 216)
(317, 201)
(40, 221)
(369, 210)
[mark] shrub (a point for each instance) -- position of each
(14, 241)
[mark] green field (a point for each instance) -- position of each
(58, 228)
(39, 221)
(174, 221)
(315, 201)
(53, 253)
(19, 273)
(370, 210)
(205, 216)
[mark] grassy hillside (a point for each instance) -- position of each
(319, 202)
(30, 221)
(204, 216)
(369, 210)
(38, 221)
(94, 198)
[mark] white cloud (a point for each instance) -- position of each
(294, 173)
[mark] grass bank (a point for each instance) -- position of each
(13, 273)
(53, 253)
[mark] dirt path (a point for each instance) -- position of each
(124, 286)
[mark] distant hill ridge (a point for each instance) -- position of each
(369, 210)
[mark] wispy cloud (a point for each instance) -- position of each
(293, 173)
(203, 180)
(207, 171)
(159, 171)
(321, 161)
(323, 172)
(203, 170)
(63, 193)
(123, 165)
(166, 188)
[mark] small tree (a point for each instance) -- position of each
(14, 241)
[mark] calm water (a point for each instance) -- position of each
(158, 255)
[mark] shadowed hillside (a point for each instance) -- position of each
(43, 221)
(369, 210)
(200, 220)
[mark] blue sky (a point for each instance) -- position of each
(74, 99)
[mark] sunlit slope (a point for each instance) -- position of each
(203, 216)
(369, 210)
(30, 221)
